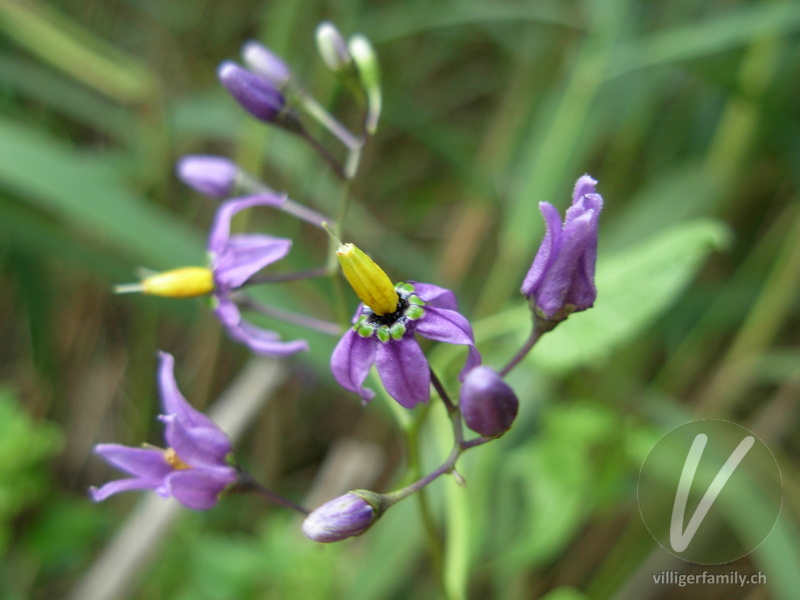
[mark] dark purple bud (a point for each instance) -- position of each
(257, 95)
(343, 517)
(213, 176)
(264, 63)
(561, 279)
(488, 403)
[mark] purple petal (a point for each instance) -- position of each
(145, 463)
(221, 228)
(435, 295)
(199, 488)
(246, 254)
(547, 251)
(172, 401)
(577, 237)
(197, 446)
(351, 361)
(404, 371)
(260, 341)
(584, 186)
(122, 485)
(450, 327)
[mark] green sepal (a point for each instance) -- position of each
(365, 329)
(383, 333)
(404, 287)
(415, 312)
(397, 331)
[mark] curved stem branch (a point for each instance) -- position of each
(281, 277)
(248, 484)
(246, 301)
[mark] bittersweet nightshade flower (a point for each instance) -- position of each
(234, 259)
(488, 404)
(197, 466)
(561, 279)
(258, 95)
(388, 341)
(265, 63)
(213, 176)
(343, 517)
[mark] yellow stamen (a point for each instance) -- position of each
(174, 460)
(185, 282)
(368, 280)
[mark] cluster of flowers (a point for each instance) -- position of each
(198, 466)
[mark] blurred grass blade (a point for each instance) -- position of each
(87, 191)
(732, 30)
(70, 48)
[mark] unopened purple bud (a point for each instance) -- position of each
(257, 95)
(488, 403)
(343, 517)
(213, 176)
(264, 63)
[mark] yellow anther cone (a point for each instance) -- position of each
(185, 282)
(367, 279)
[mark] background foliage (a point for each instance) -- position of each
(685, 112)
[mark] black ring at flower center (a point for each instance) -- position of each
(390, 319)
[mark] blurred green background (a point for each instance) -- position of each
(685, 112)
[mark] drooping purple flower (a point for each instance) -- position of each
(488, 403)
(561, 278)
(258, 95)
(266, 64)
(213, 176)
(388, 340)
(343, 517)
(234, 259)
(195, 469)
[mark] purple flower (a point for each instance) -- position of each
(343, 517)
(195, 469)
(388, 341)
(488, 403)
(561, 279)
(258, 95)
(234, 259)
(213, 176)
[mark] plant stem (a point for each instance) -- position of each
(280, 277)
(536, 333)
(248, 484)
(284, 315)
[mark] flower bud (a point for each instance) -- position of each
(258, 95)
(369, 73)
(332, 47)
(368, 280)
(213, 176)
(561, 278)
(488, 403)
(185, 282)
(264, 63)
(343, 517)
